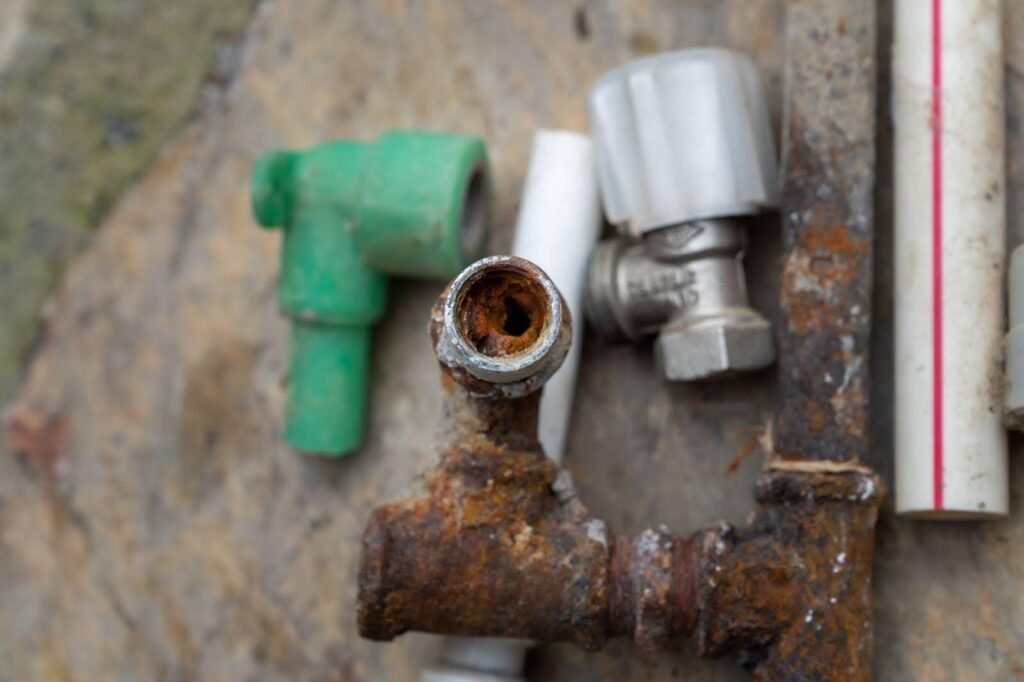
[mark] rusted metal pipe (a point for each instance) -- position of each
(499, 545)
(828, 160)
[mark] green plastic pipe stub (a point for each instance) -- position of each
(413, 203)
(327, 398)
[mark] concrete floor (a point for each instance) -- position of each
(90, 91)
(153, 526)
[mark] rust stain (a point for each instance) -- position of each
(36, 440)
(746, 450)
(821, 278)
(503, 313)
(834, 240)
(806, 315)
(816, 415)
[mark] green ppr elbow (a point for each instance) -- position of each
(413, 204)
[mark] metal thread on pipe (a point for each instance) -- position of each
(504, 323)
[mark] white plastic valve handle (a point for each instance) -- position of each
(682, 136)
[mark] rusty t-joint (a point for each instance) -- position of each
(499, 545)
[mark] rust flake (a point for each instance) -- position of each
(816, 415)
(833, 240)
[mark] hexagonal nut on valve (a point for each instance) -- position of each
(716, 347)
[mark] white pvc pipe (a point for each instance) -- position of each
(559, 222)
(1015, 341)
(950, 234)
(479, 659)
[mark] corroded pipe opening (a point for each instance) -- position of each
(502, 312)
(504, 322)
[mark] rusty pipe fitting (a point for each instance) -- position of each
(494, 534)
(504, 323)
(790, 592)
(499, 545)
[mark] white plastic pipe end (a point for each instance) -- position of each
(456, 675)
(559, 222)
(1015, 342)
(479, 659)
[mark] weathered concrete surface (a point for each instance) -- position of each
(154, 527)
(12, 28)
(89, 92)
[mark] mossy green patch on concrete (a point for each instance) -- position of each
(91, 91)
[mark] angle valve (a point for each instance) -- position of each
(684, 152)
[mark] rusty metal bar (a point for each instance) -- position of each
(828, 224)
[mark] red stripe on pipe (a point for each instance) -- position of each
(937, 402)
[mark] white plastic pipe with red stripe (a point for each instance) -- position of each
(950, 253)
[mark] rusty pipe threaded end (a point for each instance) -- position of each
(504, 322)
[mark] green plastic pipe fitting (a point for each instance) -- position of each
(411, 203)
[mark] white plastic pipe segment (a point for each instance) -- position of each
(479, 659)
(559, 222)
(1015, 343)
(950, 234)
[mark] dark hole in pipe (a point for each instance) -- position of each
(517, 318)
(503, 312)
(473, 221)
